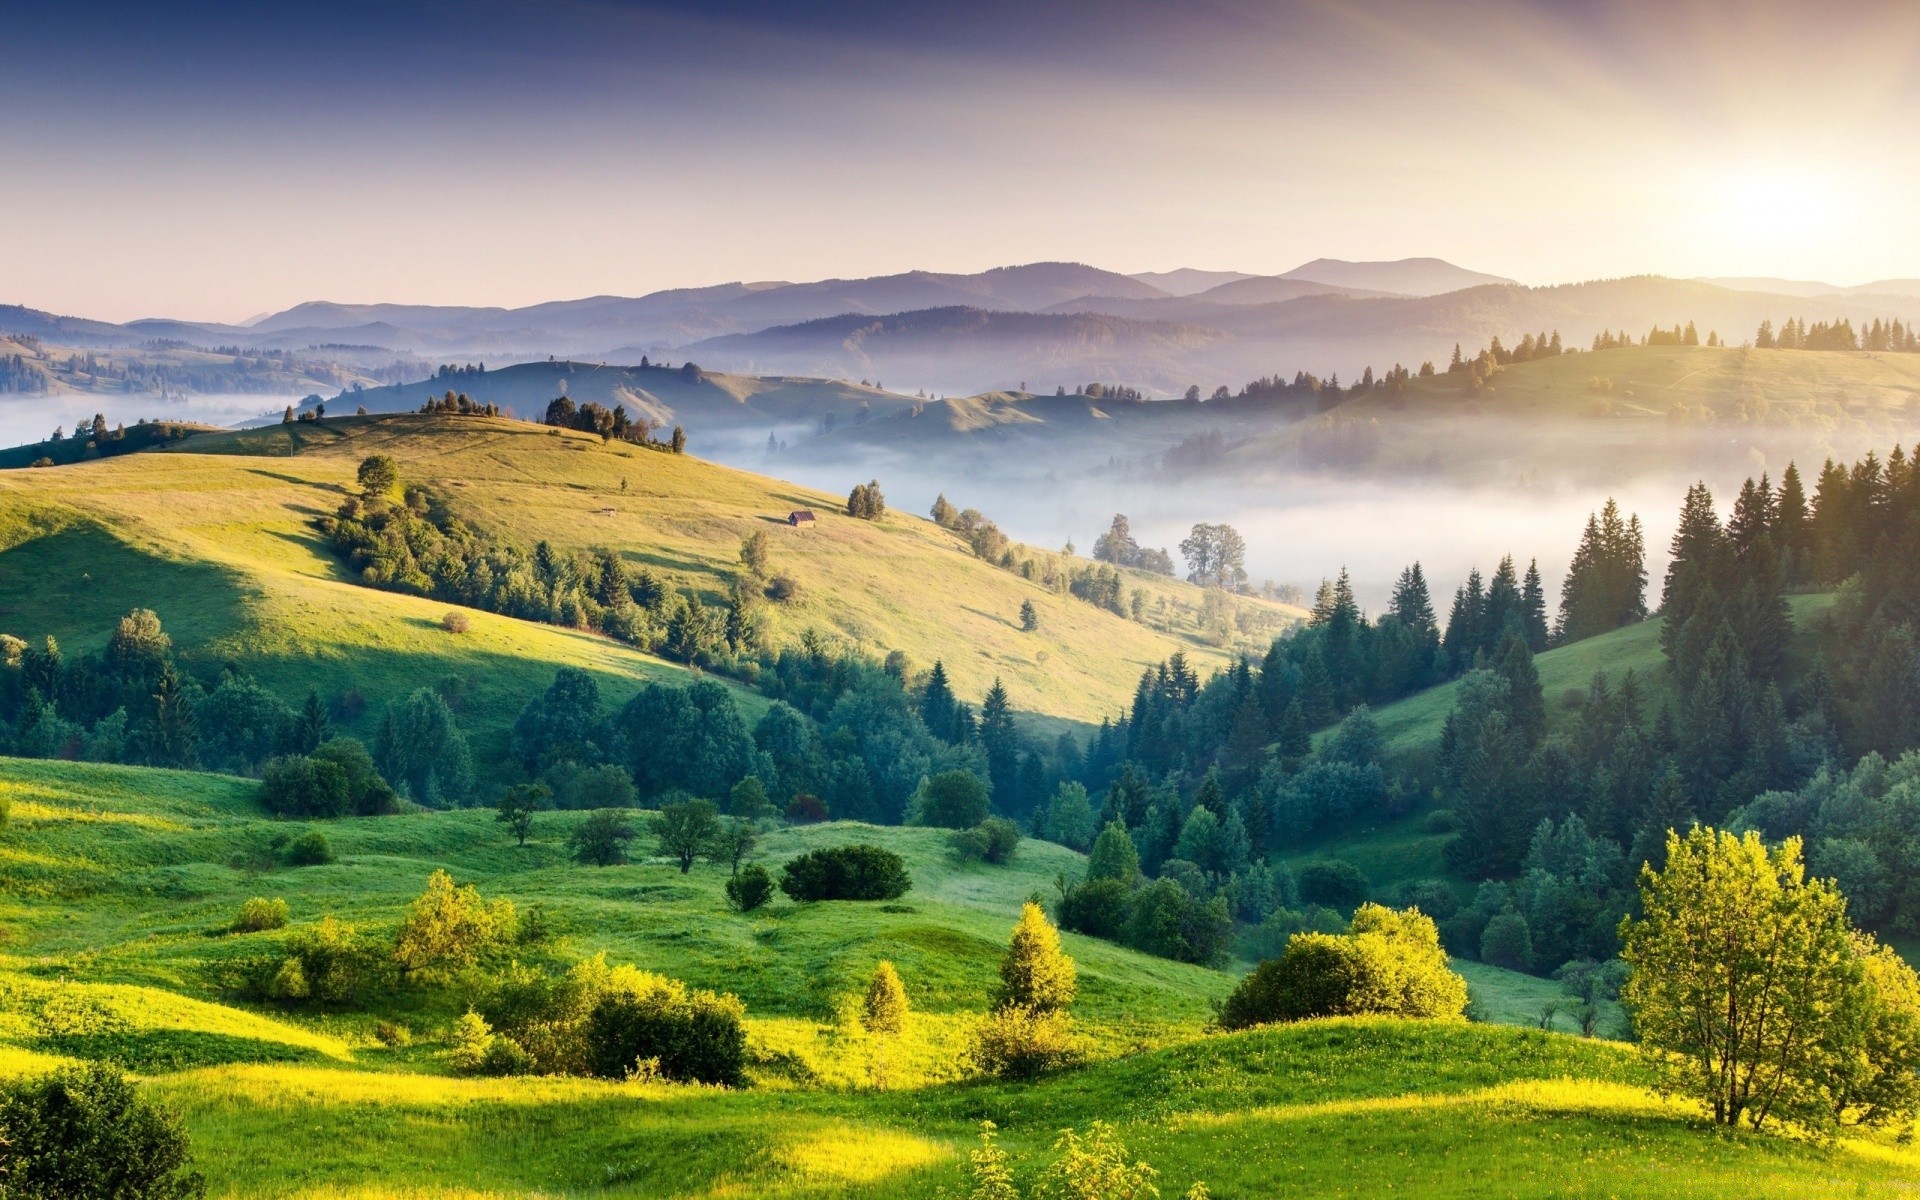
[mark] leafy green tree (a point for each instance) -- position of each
(85, 1133)
(732, 843)
(518, 804)
(379, 476)
(297, 786)
(601, 840)
(1507, 941)
(1114, 856)
(686, 829)
(1750, 990)
(884, 1008)
(1036, 975)
(748, 800)
(448, 928)
(856, 872)
(1069, 816)
(243, 724)
(953, 800)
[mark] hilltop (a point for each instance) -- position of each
(217, 535)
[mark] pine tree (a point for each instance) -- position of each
(1029, 617)
(1001, 741)
(1035, 975)
(884, 1008)
(1533, 608)
(311, 727)
(936, 703)
(1411, 602)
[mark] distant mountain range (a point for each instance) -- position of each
(1044, 325)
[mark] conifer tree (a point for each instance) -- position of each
(1036, 975)
(1533, 608)
(1411, 602)
(884, 1008)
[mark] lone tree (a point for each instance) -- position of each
(379, 475)
(884, 1010)
(518, 804)
(601, 840)
(866, 502)
(1036, 975)
(1753, 993)
(1029, 617)
(686, 829)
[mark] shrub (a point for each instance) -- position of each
(260, 914)
(1389, 963)
(310, 849)
(884, 1008)
(1163, 918)
(455, 622)
(84, 1133)
(806, 809)
(329, 964)
(1441, 820)
(1019, 1043)
(783, 589)
(295, 785)
(691, 1036)
(601, 840)
(857, 872)
(1507, 942)
(368, 794)
(448, 928)
(1035, 974)
(952, 800)
(969, 845)
(1097, 907)
(1002, 839)
(750, 889)
(1333, 883)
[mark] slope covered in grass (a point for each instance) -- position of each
(116, 932)
(220, 542)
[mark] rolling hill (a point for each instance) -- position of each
(217, 536)
(124, 881)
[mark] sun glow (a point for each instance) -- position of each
(1778, 203)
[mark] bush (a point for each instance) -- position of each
(750, 889)
(968, 845)
(295, 785)
(448, 928)
(857, 872)
(368, 794)
(1441, 820)
(993, 840)
(1019, 1043)
(1507, 942)
(1097, 907)
(260, 914)
(1269, 938)
(1333, 883)
(687, 1036)
(326, 962)
(84, 1133)
(1163, 918)
(601, 840)
(952, 800)
(455, 622)
(310, 849)
(1388, 964)
(783, 589)
(806, 809)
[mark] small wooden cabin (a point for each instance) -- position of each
(800, 517)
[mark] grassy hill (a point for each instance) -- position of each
(119, 883)
(218, 539)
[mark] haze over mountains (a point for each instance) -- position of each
(1041, 325)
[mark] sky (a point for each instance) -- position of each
(218, 161)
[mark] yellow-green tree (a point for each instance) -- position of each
(1753, 993)
(884, 1010)
(1036, 974)
(448, 928)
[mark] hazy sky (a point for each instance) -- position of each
(214, 161)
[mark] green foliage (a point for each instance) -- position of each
(1507, 941)
(657, 1024)
(1114, 856)
(1070, 817)
(297, 786)
(748, 800)
(1095, 1167)
(379, 476)
(1095, 907)
(1018, 1043)
(601, 840)
(884, 1008)
(368, 794)
(1167, 920)
(422, 750)
(84, 1133)
(448, 929)
(686, 829)
(1753, 994)
(310, 849)
(952, 800)
(1036, 975)
(993, 840)
(518, 804)
(1334, 883)
(750, 889)
(259, 914)
(1388, 963)
(856, 872)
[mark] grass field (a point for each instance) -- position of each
(220, 543)
(118, 883)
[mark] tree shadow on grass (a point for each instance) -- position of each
(155, 1050)
(76, 584)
